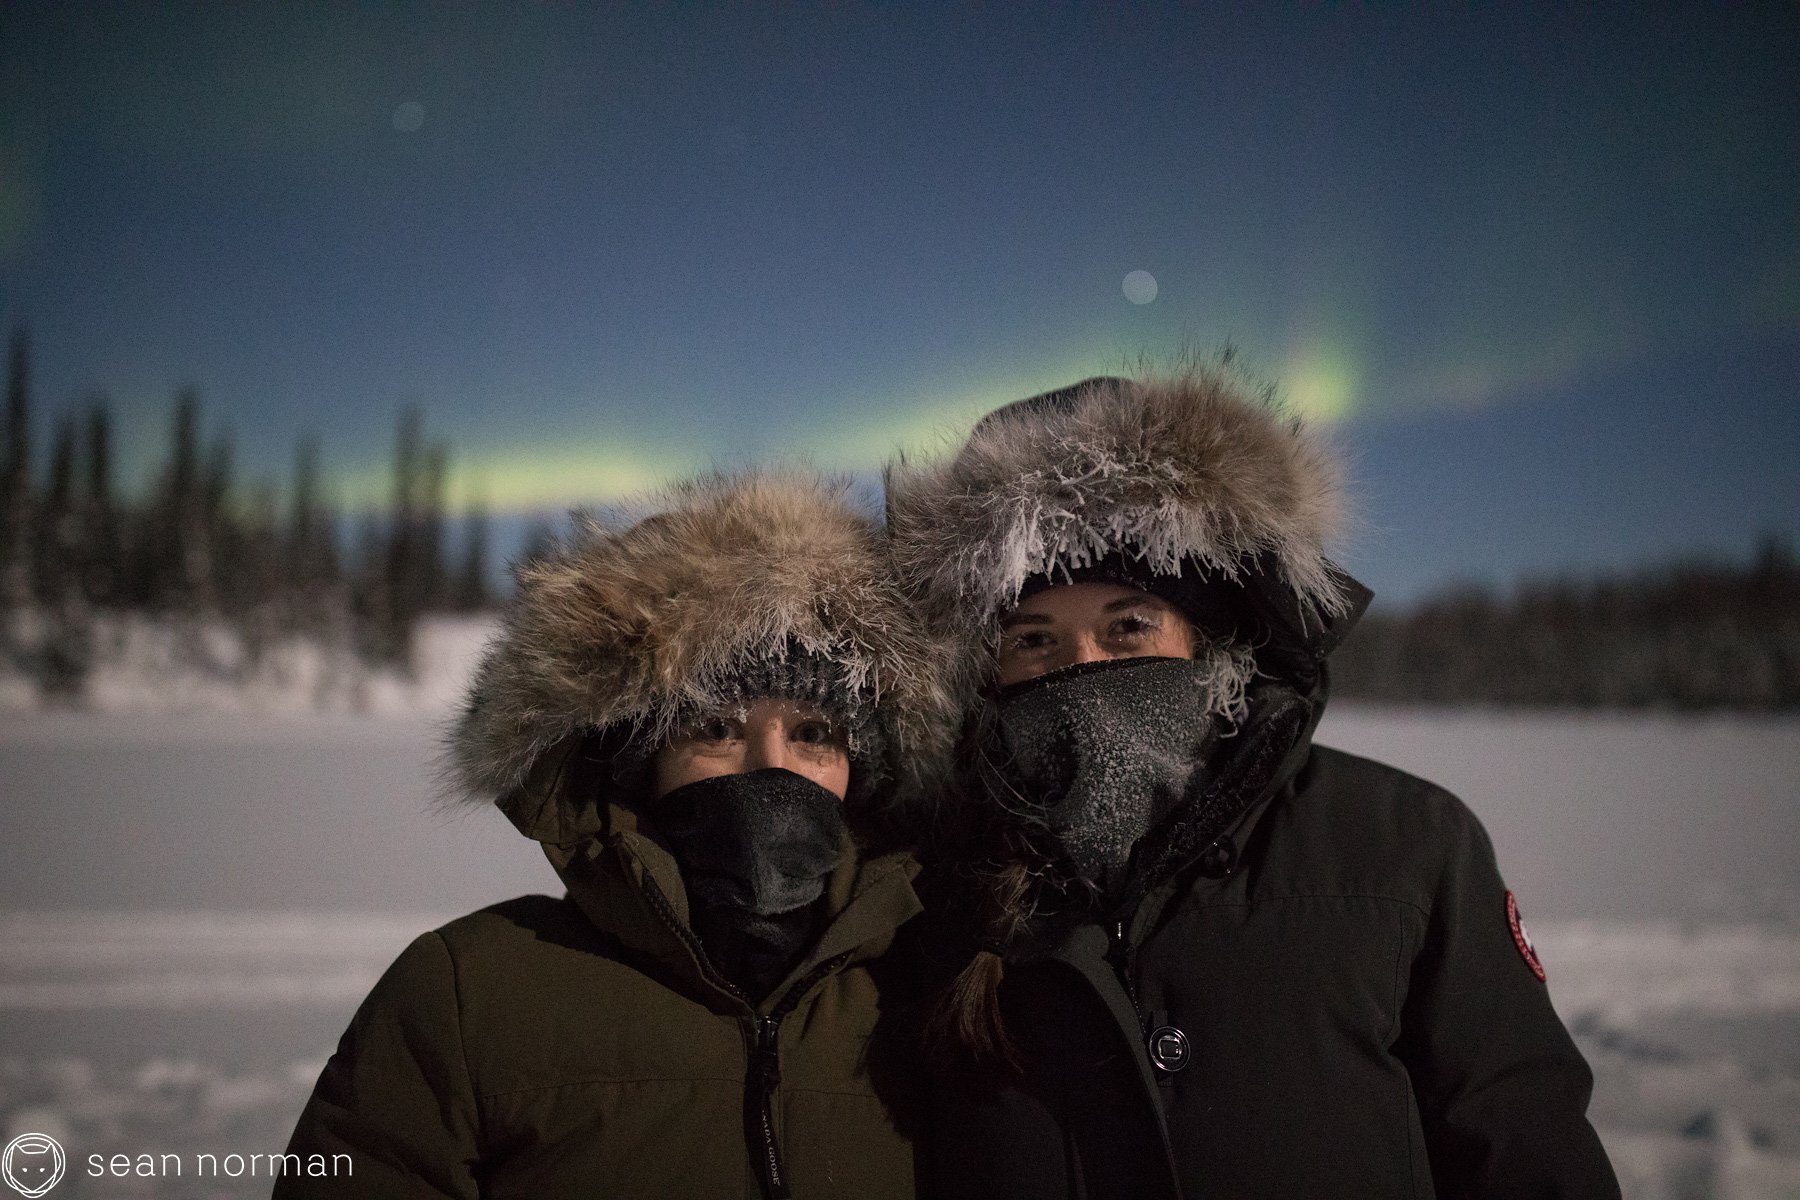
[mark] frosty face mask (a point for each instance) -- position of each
(1102, 751)
(754, 851)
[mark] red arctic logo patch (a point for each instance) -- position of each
(1521, 939)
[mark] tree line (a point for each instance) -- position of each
(200, 551)
(1690, 636)
(203, 551)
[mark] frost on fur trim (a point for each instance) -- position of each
(642, 625)
(1196, 467)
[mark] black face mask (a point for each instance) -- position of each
(1101, 752)
(754, 851)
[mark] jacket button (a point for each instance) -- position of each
(1168, 1048)
(1219, 859)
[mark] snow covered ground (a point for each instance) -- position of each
(193, 901)
(147, 666)
(190, 1032)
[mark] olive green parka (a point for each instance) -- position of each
(582, 1046)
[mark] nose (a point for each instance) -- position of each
(1083, 648)
(765, 746)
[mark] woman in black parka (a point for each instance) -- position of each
(1192, 953)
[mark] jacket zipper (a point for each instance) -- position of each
(763, 1041)
(1119, 954)
(765, 1076)
(759, 1118)
(660, 903)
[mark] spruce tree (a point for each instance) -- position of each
(311, 574)
(433, 579)
(57, 538)
(370, 607)
(67, 650)
(257, 557)
(472, 593)
(395, 602)
(182, 567)
(103, 566)
(209, 576)
(16, 518)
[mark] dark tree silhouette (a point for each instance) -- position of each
(58, 537)
(312, 573)
(181, 574)
(472, 592)
(434, 578)
(1694, 635)
(395, 583)
(204, 553)
(103, 556)
(66, 645)
(16, 517)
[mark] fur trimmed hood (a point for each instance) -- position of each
(1172, 472)
(629, 629)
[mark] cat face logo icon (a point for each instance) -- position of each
(32, 1164)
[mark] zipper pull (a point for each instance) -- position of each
(759, 1119)
(765, 1057)
(1118, 952)
(1119, 955)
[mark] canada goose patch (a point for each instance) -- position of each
(1522, 939)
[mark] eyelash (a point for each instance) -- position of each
(1144, 623)
(722, 729)
(1129, 627)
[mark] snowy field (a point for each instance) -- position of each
(192, 904)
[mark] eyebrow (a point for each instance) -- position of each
(1124, 602)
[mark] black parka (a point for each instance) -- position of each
(1323, 946)
(1338, 984)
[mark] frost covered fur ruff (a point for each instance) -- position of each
(1193, 468)
(644, 625)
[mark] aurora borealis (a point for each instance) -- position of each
(1536, 267)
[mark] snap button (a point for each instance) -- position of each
(1168, 1048)
(1219, 859)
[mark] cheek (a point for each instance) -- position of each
(1016, 666)
(1011, 670)
(831, 773)
(680, 764)
(1173, 640)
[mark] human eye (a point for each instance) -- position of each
(1026, 641)
(714, 729)
(817, 739)
(1134, 626)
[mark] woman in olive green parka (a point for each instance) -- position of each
(673, 710)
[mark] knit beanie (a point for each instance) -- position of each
(797, 674)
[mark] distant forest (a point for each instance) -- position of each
(203, 551)
(1694, 636)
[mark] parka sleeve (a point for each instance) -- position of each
(396, 1097)
(1501, 1088)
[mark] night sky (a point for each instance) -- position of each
(1537, 269)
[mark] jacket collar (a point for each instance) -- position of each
(629, 886)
